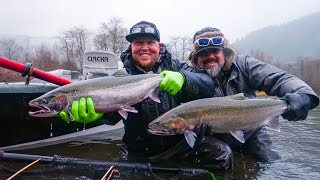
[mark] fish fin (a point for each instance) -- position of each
(273, 124)
(190, 137)
(239, 96)
(123, 113)
(129, 109)
(71, 116)
(154, 96)
(238, 135)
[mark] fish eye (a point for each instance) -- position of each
(44, 101)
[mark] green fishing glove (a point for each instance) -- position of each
(172, 81)
(79, 112)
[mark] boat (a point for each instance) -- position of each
(17, 127)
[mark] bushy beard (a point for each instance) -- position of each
(214, 71)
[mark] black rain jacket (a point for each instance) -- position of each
(197, 85)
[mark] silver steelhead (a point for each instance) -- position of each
(109, 94)
(230, 114)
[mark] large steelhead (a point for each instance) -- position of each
(230, 114)
(109, 94)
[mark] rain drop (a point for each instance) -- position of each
(84, 126)
(51, 133)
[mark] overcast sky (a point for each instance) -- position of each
(173, 17)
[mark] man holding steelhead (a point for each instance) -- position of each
(233, 74)
(180, 84)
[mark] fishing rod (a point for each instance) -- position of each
(27, 70)
(86, 163)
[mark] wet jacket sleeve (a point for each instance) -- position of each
(273, 80)
(197, 84)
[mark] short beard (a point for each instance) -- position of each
(214, 71)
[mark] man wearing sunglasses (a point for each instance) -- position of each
(234, 74)
(181, 83)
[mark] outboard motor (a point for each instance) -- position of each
(99, 64)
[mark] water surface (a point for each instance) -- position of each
(298, 144)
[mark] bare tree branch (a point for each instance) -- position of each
(10, 49)
(111, 36)
(74, 43)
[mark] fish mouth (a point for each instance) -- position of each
(161, 132)
(41, 111)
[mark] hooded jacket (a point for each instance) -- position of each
(197, 85)
(245, 74)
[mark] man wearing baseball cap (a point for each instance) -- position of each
(181, 83)
(147, 55)
(233, 74)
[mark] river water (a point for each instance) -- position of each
(298, 143)
(299, 146)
